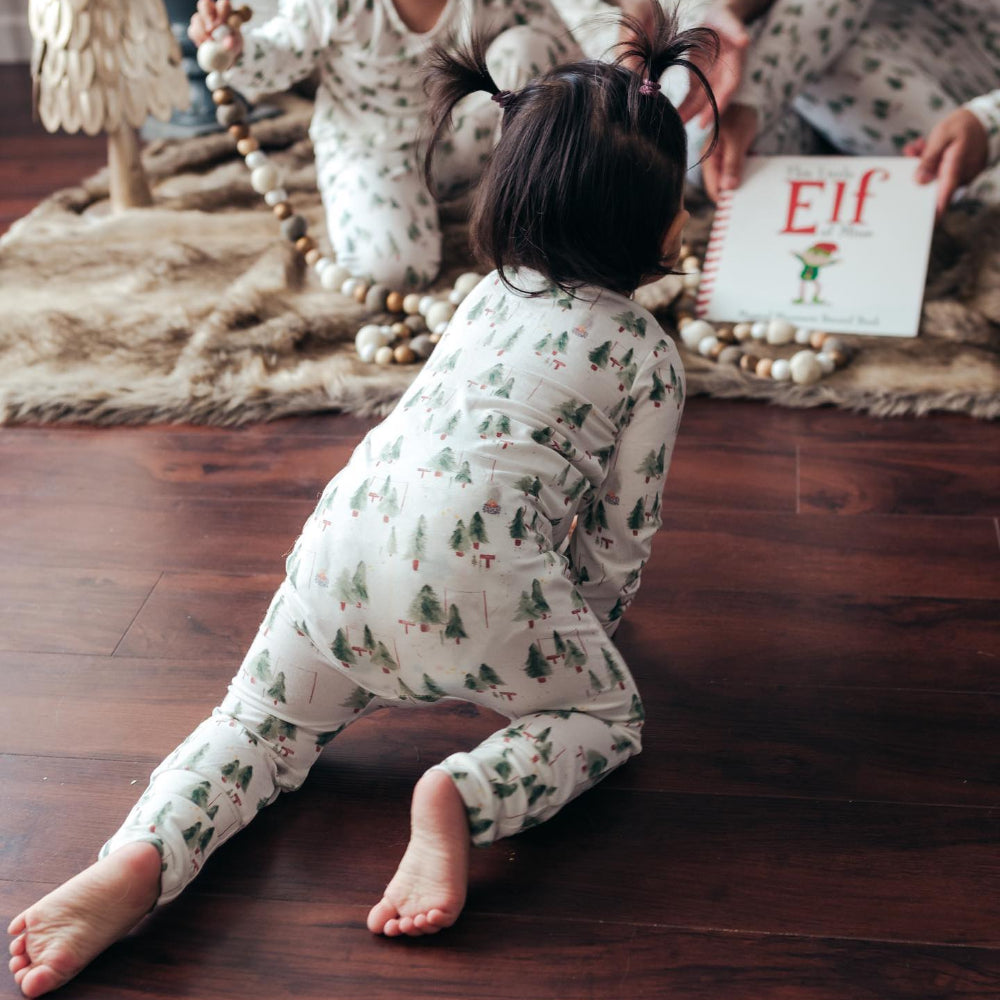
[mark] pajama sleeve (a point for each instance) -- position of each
(987, 110)
(615, 530)
(795, 43)
(287, 47)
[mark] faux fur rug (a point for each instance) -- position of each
(195, 310)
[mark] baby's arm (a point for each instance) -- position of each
(614, 532)
(287, 47)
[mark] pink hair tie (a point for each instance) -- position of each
(649, 87)
(502, 97)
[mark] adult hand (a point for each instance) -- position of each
(955, 151)
(209, 16)
(725, 73)
(724, 168)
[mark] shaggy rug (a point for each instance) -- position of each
(195, 310)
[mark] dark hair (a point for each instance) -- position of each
(589, 170)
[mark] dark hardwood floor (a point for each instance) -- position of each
(816, 814)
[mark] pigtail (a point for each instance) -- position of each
(657, 45)
(453, 72)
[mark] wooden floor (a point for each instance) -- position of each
(816, 814)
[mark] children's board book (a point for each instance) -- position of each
(835, 243)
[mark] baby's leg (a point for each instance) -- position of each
(283, 706)
(382, 222)
(517, 778)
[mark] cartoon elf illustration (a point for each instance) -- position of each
(816, 257)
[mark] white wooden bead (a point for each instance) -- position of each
(831, 344)
(258, 158)
(372, 336)
(805, 368)
(384, 356)
(781, 370)
(802, 335)
(706, 344)
(826, 363)
(695, 332)
(741, 331)
(690, 264)
(780, 331)
(426, 301)
(322, 263)
(464, 283)
(411, 304)
(367, 352)
(758, 330)
(213, 57)
(349, 285)
(439, 312)
(215, 81)
(691, 280)
(334, 276)
(275, 196)
(221, 33)
(455, 297)
(264, 178)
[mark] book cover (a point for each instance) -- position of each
(835, 243)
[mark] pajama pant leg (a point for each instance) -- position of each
(876, 98)
(283, 706)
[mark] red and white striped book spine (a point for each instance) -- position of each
(713, 253)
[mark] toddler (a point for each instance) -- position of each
(440, 563)
(368, 57)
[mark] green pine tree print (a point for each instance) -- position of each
(536, 666)
(391, 452)
(383, 658)
(426, 608)
(358, 700)
(538, 597)
(575, 657)
(529, 486)
(341, 648)
(518, 531)
(464, 474)
(443, 461)
(276, 691)
(260, 669)
(637, 517)
(596, 764)
(277, 730)
(418, 542)
(239, 776)
(359, 498)
(599, 356)
(459, 540)
(455, 628)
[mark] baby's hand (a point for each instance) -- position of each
(210, 16)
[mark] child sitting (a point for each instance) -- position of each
(440, 562)
(370, 109)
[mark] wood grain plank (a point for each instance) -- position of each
(322, 950)
(908, 478)
(855, 870)
(67, 610)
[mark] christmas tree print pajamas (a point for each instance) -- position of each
(871, 75)
(371, 107)
(440, 564)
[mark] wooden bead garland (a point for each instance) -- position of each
(819, 355)
(420, 318)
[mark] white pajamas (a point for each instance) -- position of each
(440, 563)
(371, 109)
(871, 75)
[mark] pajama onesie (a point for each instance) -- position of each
(442, 562)
(371, 109)
(869, 76)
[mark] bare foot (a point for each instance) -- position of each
(61, 933)
(428, 890)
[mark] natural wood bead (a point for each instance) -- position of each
(816, 339)
(726, 335)
(748, 362)
(304, 244)
(404, 355)
(239, 131)
(683, 319)
(246, 146)
(238, 16)
(763, 368)
(716, 349)
(282, 210)
(400, 331)
(730, 355)
(223, 96)
(312, 256)
(361, 292)
(836, 355)
(394, 303)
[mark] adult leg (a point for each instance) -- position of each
(282, 707)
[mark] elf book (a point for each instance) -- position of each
(836, 243)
